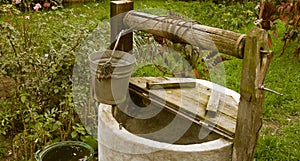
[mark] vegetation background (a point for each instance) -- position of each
(38, 49)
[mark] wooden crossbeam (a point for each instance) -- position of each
(183, 31)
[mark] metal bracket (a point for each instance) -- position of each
(266, 56)
(265, 60)
(270, 90)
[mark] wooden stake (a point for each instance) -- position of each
(118, 10)
(249, 119)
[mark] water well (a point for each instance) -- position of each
(226, 133)
(164, 123)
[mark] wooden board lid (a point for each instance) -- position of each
(193, 99)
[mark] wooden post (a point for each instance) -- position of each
(118, 10)
(249, 119)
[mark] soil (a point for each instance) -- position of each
(7, 86)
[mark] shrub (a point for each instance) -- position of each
(39, 54)
(30, 5)
(289, 14)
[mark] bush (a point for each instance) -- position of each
(39, 54)
(31, 5)
(288, 13)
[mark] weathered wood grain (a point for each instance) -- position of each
(213, 103)
(249, 119)
(182, 31)
(118, 10)
(194, 101)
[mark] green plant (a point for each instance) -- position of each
(39, 54)
(287, 12)
(30, 5)
(158, 56)
(266, 18)
(8, 9)
(75, 23)
(42, 105)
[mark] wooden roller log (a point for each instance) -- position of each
(179, 30)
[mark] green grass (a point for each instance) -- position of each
(279, 138)
(281, 113)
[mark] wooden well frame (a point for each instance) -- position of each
(251, 48)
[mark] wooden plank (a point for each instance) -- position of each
(200, 94)
(213, 103)
(249, 119)
(182, 31)
(194, 101)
